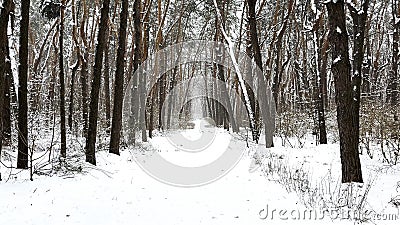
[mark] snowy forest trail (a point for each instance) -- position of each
(118, 191)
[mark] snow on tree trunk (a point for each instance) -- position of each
(341, 70)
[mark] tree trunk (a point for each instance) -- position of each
(72, 92)
(262, 90)
(256, 52)
(84, 89)
(151, 119)
(119, 82)
(10, 100)
(318, 96)
(324, 74)
(341, 70)
(160, 64)
(84, 70)
(7, 104)
(8, 6)
(142, 40)
(224, 113)
(359, 21)
(107, 80)
(250, 81)
(392, 89)
(62, 84)
(172, 81)
(76, 66)
(22, 161)
(96, 84)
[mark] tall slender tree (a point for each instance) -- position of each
(22, 159)
(142, 39)
(255, 46)
(75, 40)
(393, 81)
(119, 82)
(84, 58)
(8, 6)
(220, 23)
(359, 17)
(107, 95)
(319, 79)
(62, 82)
(267, 113)
(96, 84)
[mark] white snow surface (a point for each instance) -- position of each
(118, 191)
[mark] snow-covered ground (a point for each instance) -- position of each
(119, 191)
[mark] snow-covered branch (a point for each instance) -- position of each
(237, 69)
